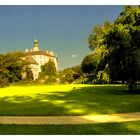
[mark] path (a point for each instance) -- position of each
(91, 119)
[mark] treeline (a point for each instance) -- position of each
(15, 67)
(115, 50)
(12, 66)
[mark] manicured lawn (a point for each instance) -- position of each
(85, 129)
(64, 100)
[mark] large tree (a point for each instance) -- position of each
(123, 43)
(89, 63)
(11, 68)
(117, 46)
(95, 62)
(96, 37)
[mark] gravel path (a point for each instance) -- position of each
(91, 119)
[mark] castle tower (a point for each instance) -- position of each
(35, 46)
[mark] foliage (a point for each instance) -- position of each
(102, 78)
(117, 48)
(49, 68)
(48, 73)
(123, 41)
(4, 82)
(11, 68)
(28, 74)
(50, 80)
(96, 37)
(96, 61)
(68, 75)
(89, 63)
(78, 71)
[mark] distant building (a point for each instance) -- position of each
(37, 58)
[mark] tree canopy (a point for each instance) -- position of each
(119, 47)
(49, 68)
(122, 41)
(11, 68)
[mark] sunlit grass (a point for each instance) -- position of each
(33, 90)
(62, 100)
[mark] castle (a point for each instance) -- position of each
(37, 58)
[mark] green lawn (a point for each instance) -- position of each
(82, 129)
(63, 100)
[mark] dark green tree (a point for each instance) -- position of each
(48, 73)
(119, 46)
(122, 42)
(28, 74)
(89, 63)
(11, 68)
(78, 71)
(96, 38)
(98, 61)
(4, 73)
(14, 64)
(49, 68)
(68, 75)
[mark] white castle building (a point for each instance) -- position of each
(37, 58)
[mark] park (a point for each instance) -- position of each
(62, 100)
(101, 95)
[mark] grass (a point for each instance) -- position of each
(62, 100)
(126, 128)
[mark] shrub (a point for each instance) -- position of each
(4, 82)
(102, 78)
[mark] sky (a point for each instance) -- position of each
(62, 29)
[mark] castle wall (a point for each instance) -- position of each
(41, 60)
(40, 57)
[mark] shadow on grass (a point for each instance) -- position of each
(127, 128)
(80, 101)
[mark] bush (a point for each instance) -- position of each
(50, 80)
(102, 78)
(80, 81)
(4, 82)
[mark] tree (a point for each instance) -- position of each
(89, 63)
(48, 72)
(122, 42)
(68, 75)
(118, 44)
(11, 67)
(28, 74)
(78, 71)
(49, 68)
(98, 59)
(4, 81)
(96, 38)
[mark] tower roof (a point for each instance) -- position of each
(35, 46)
(35, 40)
